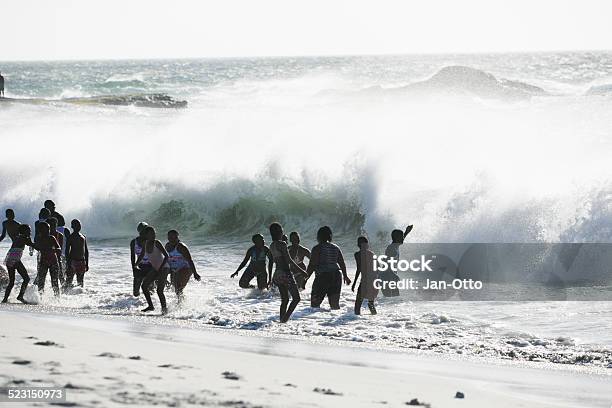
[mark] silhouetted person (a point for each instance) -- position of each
(1, 85)
(393, 252)
(50, 205)
(10, 227)
(77, 255)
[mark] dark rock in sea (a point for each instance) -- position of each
(459, 394)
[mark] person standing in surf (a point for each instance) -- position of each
(77, 255)
(364, 258)
(256, 257)
(327, 262)
(49, 258)
(43, 214)
(139, 270)
(50, 205)
(298, 253)
(13, 262)
(393, 252)
(157, 255)
(283, 278)
(10, 227)
(1, 85)
(181, 264)
(52, 221)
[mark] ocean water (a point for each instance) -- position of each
(363, 144)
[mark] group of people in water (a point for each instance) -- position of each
(61, 253)
(285, 256)
(64, 254)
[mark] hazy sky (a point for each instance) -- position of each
(75, 29)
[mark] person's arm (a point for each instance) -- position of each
(3, 231)
(141, 255)
(408, 229)
(270, 267)
(243, 263)
(306, 252)
(68, 246)
(313, 263)
(290, 260)
(160, 246)
(66, 235)
(358, 271)
(86, 254)
(182, 248)
(55, 245)
(133, 253)
(347, 280)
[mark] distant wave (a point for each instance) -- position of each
(155, 100)
(605, 89)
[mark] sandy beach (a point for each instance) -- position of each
(111, 361)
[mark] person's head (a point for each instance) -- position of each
(44, 229)
(397, 236)
(258, 240)
(10, 214)
(44, 213)
(362, 242)
(324, 234)
(149, 233)
(141, 227)
(173, 237)
(276, 231)
(76, 225)
(50, 205)
(294, 237)
(52, 221)
(24, 230)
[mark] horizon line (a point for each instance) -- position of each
(279, 56)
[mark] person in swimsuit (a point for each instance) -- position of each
(298, 253)
(283, 278)
(42, 218)
(49, 258)
(364, 258)
(13, 262)
(77, 255)
(60, 240)
(327, 262)
(256, 256)
(157, 256)
(139, 270)
(10, 227)
(181, 264)
(393, 252)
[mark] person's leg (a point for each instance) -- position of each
(146, 284)
(358, 301)
(372, 307)
(295, 299)
(11, 283)
(69, 277)
(246, 278)
(42, 277)
(284, 294)
(181, 278)
(161, 286)
(54, 272)
(333, 290)
(138, 277)
(318, 291)
(262, 281)
(25, 280)
(60, 271)
(80, 278)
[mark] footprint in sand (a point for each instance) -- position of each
(47, 343)
(22, 362)
(108, 354)
(416, 402)
(228, 375)
(327, 391)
